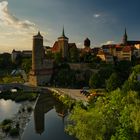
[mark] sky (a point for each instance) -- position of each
(102, 21)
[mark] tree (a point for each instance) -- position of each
(113, 82)
(74, 54)
(58, 57)
(95, 81)
(113, 117)
(123, 69)
(5, 61)
(133, 83)
(26, 65)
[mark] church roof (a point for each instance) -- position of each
(55, 47)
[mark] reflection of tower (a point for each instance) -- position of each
(44, 104)
(63, 44)
(125, 38)
(87, 43)
(42, 107)
(39, 118)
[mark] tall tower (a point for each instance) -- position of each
(125, 38)
(42, 68)
(37, 52)
(63, 44)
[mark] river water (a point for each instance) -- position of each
(47, 121)
(7, 109)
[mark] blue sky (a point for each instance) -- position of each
(102, 21)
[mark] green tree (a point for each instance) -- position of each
(73, 54)
(113, 117)
(26, 65)
(133, 83)
(95, 81)
(113, 82)
(58, 57)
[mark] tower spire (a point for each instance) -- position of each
(125, 37)
(63, 32)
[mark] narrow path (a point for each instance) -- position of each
(73, 93)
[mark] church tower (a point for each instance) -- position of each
(63, 45)
(125, 38)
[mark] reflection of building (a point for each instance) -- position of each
(44, 104)
(42, 68)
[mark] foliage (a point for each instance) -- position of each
(26, 64)
(29, 109)
(123, 69)
(74, 54)
(113, 117)
(65, 78)
(133, 83)
(5, 61)
(113, 82)
(18, 96)
(6, 121)
(14, 132)
(58, 58)
(95, 81)
(12, 79)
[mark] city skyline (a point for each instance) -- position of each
(102, 22)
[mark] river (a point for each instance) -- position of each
(47, 121)
(8, 108)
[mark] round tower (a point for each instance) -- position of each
(63, 44)
(37, 52)
(87, 43)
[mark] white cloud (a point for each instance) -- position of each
(108, 42)
(9, 19)
(96, 15)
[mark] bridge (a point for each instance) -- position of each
(73, 93)
(18, 87)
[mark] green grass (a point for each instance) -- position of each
(18, 96)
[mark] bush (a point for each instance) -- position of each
(6, 121)
(29, 109)
(14, 132)
(6, 128)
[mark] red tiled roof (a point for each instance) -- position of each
(55, 47)
(126, 49)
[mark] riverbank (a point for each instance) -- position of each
(22, 117)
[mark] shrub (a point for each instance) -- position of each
(6, 128)
(29, 109)
(14, 132)
(6, 121)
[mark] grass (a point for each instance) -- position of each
(18, 96)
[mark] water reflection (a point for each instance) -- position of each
(7, 109)
(48, 120)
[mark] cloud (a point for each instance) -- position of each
(9, 19)
(96, 15)
(108, 42)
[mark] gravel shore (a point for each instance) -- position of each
(22, 117)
